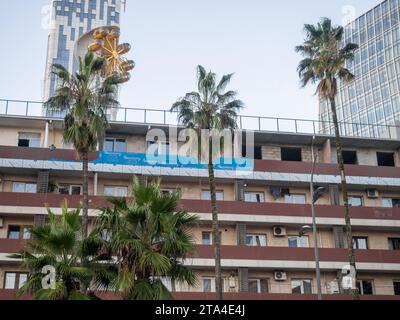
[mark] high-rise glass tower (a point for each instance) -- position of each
(70, 20)
(371, 102)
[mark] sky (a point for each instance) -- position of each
(254, 39)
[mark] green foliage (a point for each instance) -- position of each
(58, 244)
(150, 238)
(324, 60)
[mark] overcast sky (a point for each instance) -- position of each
(252, 38)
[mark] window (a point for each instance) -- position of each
(390, 203)
(396, 287)
(365, 287)
(206, 238)
(14, 232)
(291, 154)
(360, 243)
(111, 191)
(29, 140)
(256, 240)
(355, 201)
(208, 284)
(258, 285)
(350, 157)
(394, 243)
(206, 195)
(298, 242)
(295, 199)
(23, 187)
(254, 197)
(26, 234)
(167, 192)
(114, 145)
(70, 189)
(385, 159)
(301, 287)
(15, 280)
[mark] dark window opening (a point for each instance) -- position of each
(23, 143)
(385, 159)
(257, 152)
(396, 286)
(365, 287)
(291, 154)
(394, 243)
(350, 157)
(14, 232)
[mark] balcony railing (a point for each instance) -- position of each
(203, 206)
(37, 154)
(33, 109)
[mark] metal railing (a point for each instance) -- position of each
(33, 109)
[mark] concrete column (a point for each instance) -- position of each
(95, 183)
(46, 135)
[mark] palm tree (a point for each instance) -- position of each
(58, 244)
(324, 63)
(86, 101)
(207, 109)
(150, 238)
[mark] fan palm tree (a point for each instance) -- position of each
(150, 239)
(58, 244)
(324, 63)
(209, 108)
(85, 100)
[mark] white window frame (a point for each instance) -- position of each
(212, 284)
(388, 202)
(202, 238)
(71, 186)
(356, 197)
(34, 138)
(255, 195)
(259, 281)
(25, 185)
(299, 241)
(361, 281)
(293, 199)
(115, 193)
(114, 139)
(206, 195)
(302, 281)
(17, 277)
(355, 241)
(261, 237)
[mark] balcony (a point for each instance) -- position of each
(11, 246)
(201, 296)
(296, 254)
(269, 166)
(41, 200)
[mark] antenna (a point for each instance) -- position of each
(124, 3)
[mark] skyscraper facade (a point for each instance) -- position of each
(368, 105)
(70, 20)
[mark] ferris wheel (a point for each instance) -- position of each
(106, 44)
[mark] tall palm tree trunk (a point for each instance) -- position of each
(215, 225)
(85, 205)
(348, 229)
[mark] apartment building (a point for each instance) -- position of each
(261, 212)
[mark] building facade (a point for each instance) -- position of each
(371, 102)
(261, 212)
(70, 19)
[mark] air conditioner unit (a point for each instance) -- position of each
(333, 287)
(279, 231)
(1, 222)
(280, 276)
(373, 194)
